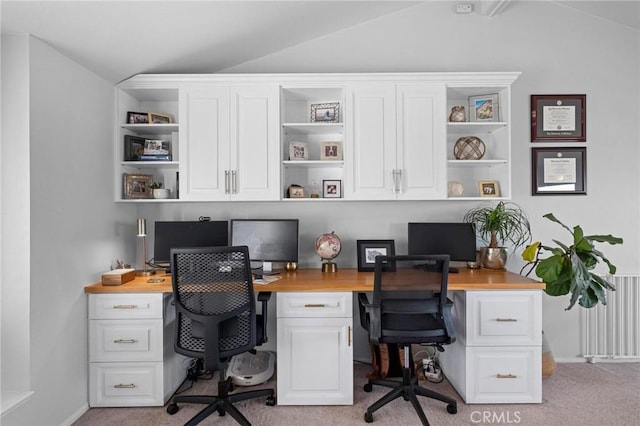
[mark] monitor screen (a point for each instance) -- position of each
(269, 240)
(170, 235)
(458, 240)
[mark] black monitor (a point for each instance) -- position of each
(269, 240)
(170, 235)
(458, 239)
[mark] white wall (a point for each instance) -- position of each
(76, 228)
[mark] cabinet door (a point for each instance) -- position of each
(255, 146)
(204, 143)
(370, 151)
(315, 361)
(421, 147)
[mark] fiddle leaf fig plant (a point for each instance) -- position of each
(568, 268)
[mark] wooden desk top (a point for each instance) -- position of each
(347, 279)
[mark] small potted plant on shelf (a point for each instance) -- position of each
(497, 224)
(158, 191)
(569, 268)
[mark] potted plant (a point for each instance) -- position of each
(158, 191)
(569, 268)
(505, 222)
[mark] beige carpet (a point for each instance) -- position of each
(578, 394)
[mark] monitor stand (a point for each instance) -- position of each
(267, 269)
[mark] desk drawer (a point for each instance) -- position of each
(314, 305)
(504, 318)
(504, 375)
(125, 384)
(125, 306)
(125, 340)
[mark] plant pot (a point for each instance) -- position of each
(493, 258)
(161, 193)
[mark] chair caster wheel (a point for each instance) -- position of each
(368, 387)
(368, 417)
(271, 401)
(172, 408)
(221, 412)
(452, 409)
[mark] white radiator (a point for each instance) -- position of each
(613, 331)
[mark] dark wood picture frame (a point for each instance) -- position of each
(368, 249)
(137, 117)
(561, 118)
(559, 171)
(133, 147)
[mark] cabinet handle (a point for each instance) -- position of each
(226, 181)
(506, 320)
(506, 376)
(125, 306)
(397, 178)
(349, 336)
(234, 186)
(125, 341)
(123, 386)
(314, 305)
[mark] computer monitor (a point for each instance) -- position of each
(458, 239)
(269, 240)
(168, 235)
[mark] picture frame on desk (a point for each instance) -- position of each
(369, 249)
(137, 186)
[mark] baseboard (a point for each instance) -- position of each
(597, 360)
(75, 416)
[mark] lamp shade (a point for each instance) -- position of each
(142, 227)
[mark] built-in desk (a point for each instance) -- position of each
(495, 359)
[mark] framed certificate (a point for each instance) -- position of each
(558, 118)
(559, 171)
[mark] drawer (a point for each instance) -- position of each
(125, 340)
(504, 318)
(125, 384)
(314, 305)
(125, 306)
(504, 375)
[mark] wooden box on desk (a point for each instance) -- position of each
(118, 276)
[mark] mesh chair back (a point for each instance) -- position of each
(215, 304)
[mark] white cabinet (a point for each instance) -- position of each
(496, 357)
(131, 357)
(229, 145)
(395, 144)
(315, 348)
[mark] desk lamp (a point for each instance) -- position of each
(142, 233)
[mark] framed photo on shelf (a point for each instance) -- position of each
(559, 171)
(331, 151)
(137, 186)
(159, 118)
(489, 188)
(332, 189)
(137, 117)
(325, 113)
(369, 249)
(298, 151)
(484, 108)
(133, 147)
(560, 118)
(296, 191)
(157, 147)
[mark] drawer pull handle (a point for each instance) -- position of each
(314, 305)
(506, 320)
(349, 336)
(123, 386)
(125, 341)
(125, 306)
(506, 376)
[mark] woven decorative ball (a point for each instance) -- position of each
(469, 148)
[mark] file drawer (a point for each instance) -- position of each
(122, 384)
(125, 306)
(315, 305)
(125, 340)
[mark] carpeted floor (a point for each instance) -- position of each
(578, 394)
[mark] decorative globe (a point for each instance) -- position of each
(328, 246)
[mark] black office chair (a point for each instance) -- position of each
(410, 305)
(216, 319)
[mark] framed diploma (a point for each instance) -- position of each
(559, 171)
(558, 118)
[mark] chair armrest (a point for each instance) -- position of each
(448, 320)
(370, 318)
(264, 296)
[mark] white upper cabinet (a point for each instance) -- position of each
(395, 144)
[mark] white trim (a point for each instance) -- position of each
(13, 399)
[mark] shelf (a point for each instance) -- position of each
(313, 163)
(475, 163)
(152, 129)
(479, 127)
(312, 128)
(151, 164)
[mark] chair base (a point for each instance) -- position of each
(408, 389)
(222, 403)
